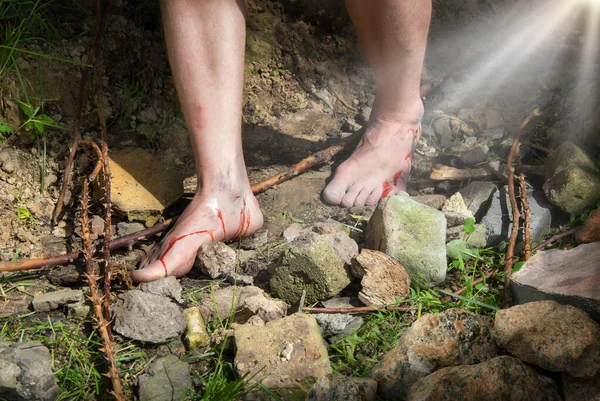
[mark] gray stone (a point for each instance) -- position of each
(148, 115)
(79, 309)
(412, 233)
(453, 337)
(216, 260)
(311, 262)
(126, 228)
(493, 119)
(477, 196)
(327, 227)
(365, 115)
(339, 387)
(435, 201)
(288, 355)
(55, 299)
(255, 241)
(167, 379)
(565, 276)
(397, 371)
(9, 160)
(565, 156)
(442, 128)
(351, 125)
(64, 275)
(476, 239)
(165, 287)
(243, 303)
(475, 155)
(26, 372)
(573, 189)
(502, 378)
(558, 338)
(344, 246)
(338, 324)
(54, 246)
(147, 317)
(293, 232)
(494, 134)
(498, 218)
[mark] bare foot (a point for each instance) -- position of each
(210, 217)
(380, 165)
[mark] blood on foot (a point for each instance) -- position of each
(387, 189)
(220, 216)
(175, 240)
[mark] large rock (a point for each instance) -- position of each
(397, 371)
(147, 317)
(572, 179)
(312, 262)
(55, 299)
(339, 387)
(288, 355)
(167, 379)
(217, 260)
(26, 372)
(502, 378)
(477, 196)
(165, 287)
(384, 280)
(142, 186)
(241, 302)
(453, 337)
(577, 389)
(590, 231)
(412, 233)
(568, 277)
(498, 218)
(558, 338)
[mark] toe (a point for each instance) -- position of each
(152, 272)
(361, 199)
(374, 197)
(335, 192)
(350, 197)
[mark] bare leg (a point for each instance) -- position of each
(394, 35)
(206, 42)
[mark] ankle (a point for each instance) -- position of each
(408, 111)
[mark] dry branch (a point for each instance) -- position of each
(442, 172)
(360, 309)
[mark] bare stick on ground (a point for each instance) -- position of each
(360, 309)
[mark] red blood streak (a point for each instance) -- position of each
(247, 222)
(174, 241)
(408, 156)
(220, 216)
(387, 189)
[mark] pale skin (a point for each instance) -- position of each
(205, 41)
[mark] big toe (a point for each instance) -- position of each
(152, 272)
(335, 191)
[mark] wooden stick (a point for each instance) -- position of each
(526, 212)
(99, 164)
(555, 237)
(536, 147)
(442, 172)
(361, 309)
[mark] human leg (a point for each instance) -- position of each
(205, 41)
(394, 35)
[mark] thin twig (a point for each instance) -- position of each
(536, 147)
(361, 309)
(102, 324)
(554, 238)
(526, 212)
(99, 164)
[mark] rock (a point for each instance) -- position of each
(453, 337)
(338, 387)
(412, 233)
(9, 160)
(216, 260)
(558, 338)
(475, 155)
(577, 389)
(147, 317)
(397, 371)
(573, 189)
(327, 227)
(442, 128)
(590, 231)
(498, 218)
(383, 279)
(338, 324)
(55, 299)
(142, 186)
(126, 228)
(456, 211)
(196, 334)
(97, 225)
(26, 372)
(502, 378)
(344, 246)
(79, 309)
(311, 263)
(365, 115)
(293, 232)
(494, 134)
(493, 119)
(476, 239)
(477, 196)
(434, 201)
(243, 302)
(567, 277)
(64, 275)
(565, 156)
(10, 307)
(168, 287)
(444, 187)
(54, 246)
(168, 379)
(351, 125)
(148, 115)
(288, 355)
(255, 241)
(365, 211)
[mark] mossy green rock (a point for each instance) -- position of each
(310, 263)
(565, 156)
(573, 190)
(412, 233)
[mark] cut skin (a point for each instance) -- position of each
(206, 219)
(379, 166)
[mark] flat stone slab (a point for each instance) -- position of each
(567, 277)
(167, 379)
(55, 299)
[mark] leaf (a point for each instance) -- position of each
(469, 225)
(459, 249)
(27, 108)
(39, 126)
(517, 266)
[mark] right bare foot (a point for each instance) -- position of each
(209, 217)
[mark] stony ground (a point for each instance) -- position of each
(232, 321)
